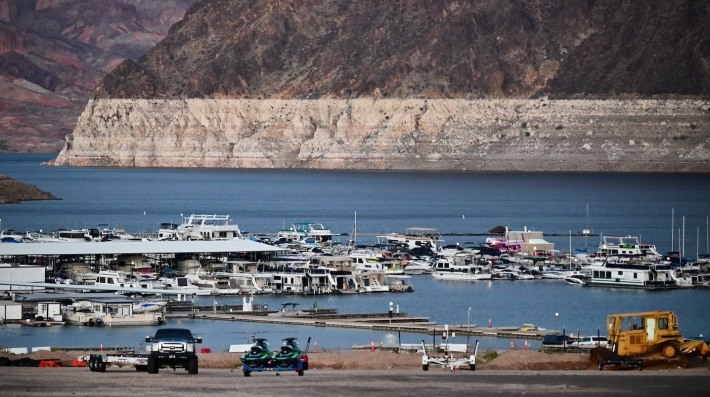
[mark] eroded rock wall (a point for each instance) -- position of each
(440, 134)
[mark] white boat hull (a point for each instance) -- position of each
(461, 276)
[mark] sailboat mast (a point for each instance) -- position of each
(355, 234)
(672, 228)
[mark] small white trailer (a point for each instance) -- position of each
(448, 361)
(99, 361)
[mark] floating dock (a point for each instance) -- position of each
(400, 322)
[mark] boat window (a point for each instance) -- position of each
(621, 273)
(635, 275)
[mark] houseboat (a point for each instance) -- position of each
(416, 237)
(629, 272)
(627, 245)
(300, 230)
(443, 269)
(109, 312)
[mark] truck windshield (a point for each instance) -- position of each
(173, 334)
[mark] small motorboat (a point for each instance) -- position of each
(577, 280)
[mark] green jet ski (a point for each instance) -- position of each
(289, 354)
(259, 355)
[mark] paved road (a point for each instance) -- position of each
(127, 382)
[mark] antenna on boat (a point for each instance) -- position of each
(672, 228)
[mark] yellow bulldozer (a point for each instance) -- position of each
(645, 339)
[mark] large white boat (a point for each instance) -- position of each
(372, 282)
(416, 237)
(300, 230)
(443, 269)
(626, 245)
(10, 236)
(202, 227)
(118, 312)
(624, 272)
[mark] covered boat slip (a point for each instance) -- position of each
(52, 255)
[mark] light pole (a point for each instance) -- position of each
(556, 314)
(390, 313)
(468, 328)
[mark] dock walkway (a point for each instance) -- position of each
(370, 321)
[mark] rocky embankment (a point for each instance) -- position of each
(13, 192)
(396, 134)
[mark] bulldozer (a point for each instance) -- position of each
(645, 339)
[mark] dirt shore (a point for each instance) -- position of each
(519, 360)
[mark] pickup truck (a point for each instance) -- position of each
(173, 348)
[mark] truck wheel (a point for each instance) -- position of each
(152, 366)
(472, 367)
(100, 365)
(141, 368)
(92, 366)
(425, 367)
(300, 372)
(247, 373)
(192, 366)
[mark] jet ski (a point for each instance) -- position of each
(259, 355)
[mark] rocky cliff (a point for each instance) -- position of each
(412, 84)
(53, 53)
(433, 134)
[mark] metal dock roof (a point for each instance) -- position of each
(136, 247)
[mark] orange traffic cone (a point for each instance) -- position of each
(372, 346)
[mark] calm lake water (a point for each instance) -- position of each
(455, 203)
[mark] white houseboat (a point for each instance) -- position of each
(626, 245)
(443, 269)
(622, 272)
(416, 237)
(116, 312)
(300, 230)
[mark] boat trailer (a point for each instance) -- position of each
(448, 361)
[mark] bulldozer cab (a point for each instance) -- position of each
(641, 333)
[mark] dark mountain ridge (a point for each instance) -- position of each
(426, 49)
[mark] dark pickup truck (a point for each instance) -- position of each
(173, 348)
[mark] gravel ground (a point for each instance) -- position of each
(518, 360)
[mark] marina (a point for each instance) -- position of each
(462, 207)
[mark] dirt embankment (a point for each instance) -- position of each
(518, 360)
(13, 192)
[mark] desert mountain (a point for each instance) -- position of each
(53, 53)
(293, 49)
(489, 85)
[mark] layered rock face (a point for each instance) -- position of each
(402, 134)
